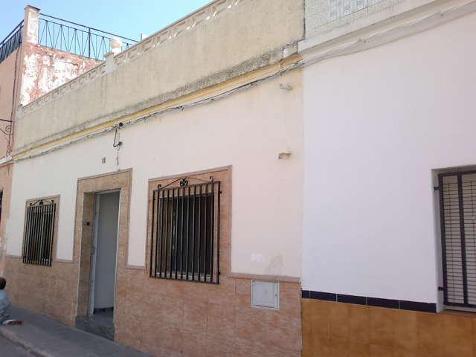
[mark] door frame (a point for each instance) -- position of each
(87, 187)
(92, 278)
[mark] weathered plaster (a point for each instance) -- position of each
(45, 69)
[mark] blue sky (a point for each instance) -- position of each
(128, 18)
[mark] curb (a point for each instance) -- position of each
(12, 337)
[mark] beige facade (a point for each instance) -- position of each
(160, 101)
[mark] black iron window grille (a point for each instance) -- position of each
(75, 38)
(1, 205)
(11, 42)
(39, 232)
(458, 230)
(185, 232)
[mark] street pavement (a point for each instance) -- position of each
(45, 337)
(9, 349)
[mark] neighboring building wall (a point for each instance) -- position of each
(38, 70)
(7, 80)
(369, 163)
(378, 124)
(45, 69)
(8, 72)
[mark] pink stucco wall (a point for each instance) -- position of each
(45, 69)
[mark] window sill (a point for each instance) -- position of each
(459, 313)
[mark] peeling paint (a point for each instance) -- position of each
(45, 69)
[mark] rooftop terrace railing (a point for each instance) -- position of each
(75, 38)
(11, 42)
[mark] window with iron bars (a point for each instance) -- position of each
(39, 232)
(1, 205)
(457, 192)
(185, 232)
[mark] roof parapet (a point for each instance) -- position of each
(170, 32)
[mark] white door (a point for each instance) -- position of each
(103, 282)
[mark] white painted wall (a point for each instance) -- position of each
(246, 130)
(376, 124)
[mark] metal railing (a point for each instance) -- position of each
(11, 42)
(75, 38)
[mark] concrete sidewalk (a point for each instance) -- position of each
(46, 337)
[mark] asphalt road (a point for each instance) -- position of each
(8, 349)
